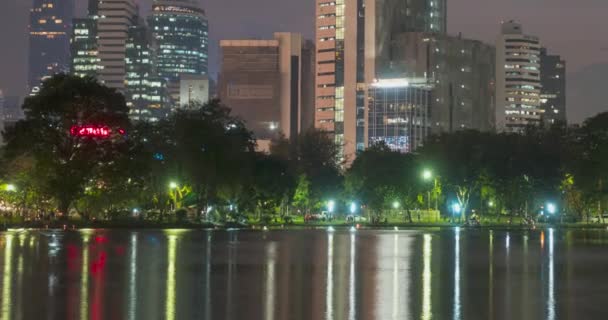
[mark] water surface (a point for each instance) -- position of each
(304, 274)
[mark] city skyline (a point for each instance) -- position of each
(543, 19)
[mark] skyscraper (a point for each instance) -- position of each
(181, 30)
(263, 82)
(146, 92)
(553, 92)
(353, 50)
(518, 79)
(115, 19)
(462, 72)
(49, 39)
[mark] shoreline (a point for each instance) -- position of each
(131, 225)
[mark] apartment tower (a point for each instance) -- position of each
(518, 79)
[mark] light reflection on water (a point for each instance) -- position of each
(410, 274)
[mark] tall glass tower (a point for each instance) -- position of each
(182, 33)
(49, 39)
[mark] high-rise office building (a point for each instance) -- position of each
(462, 73)
(181, 30)
(398, 113)
(49, 39)
(146, 92)
(83, 44)
(353, 50)
(553, 91)
(115, 19)
(262, 81)
(518, 79)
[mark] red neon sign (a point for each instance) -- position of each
(90, 131)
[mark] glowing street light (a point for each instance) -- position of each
(331, 204)
(396, 204)
(353, 208)
(173, 185)
(456, 208)
(551, 208)
(427, 174)
(490, 204)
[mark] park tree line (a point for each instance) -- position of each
(202, 160)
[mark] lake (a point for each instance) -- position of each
(447, 273)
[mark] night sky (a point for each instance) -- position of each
(575, 29)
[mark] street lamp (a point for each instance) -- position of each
(551, 208)
(427, 175)
(353, 208)
(396, 204)
(174, 190)
(456, 208)
(331, 205)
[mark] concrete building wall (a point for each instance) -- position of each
(462, 72)
(263, 81)
(250, 84)
(115, 18)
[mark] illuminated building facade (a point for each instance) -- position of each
(518, 79)
(353, 46)
(115, 19)
(553, 92)
(399, 113)
(181, 30)
(146, 93)
(263, 82)
(49, 40)
(83, 46)
(193, 89)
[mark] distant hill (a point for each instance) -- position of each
(587, 92)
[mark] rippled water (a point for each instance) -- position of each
(304, 274)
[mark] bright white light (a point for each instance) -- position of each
(11, 188)
(331, 229)
(551, 208)
(396, 205)
(427, 175)
(353, 207)
(456, 208)
(391, 83)
(173, 185)
(331, 205)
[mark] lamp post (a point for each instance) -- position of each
(174, 189)
(331, 205)
(456, 208)
(427, 175)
